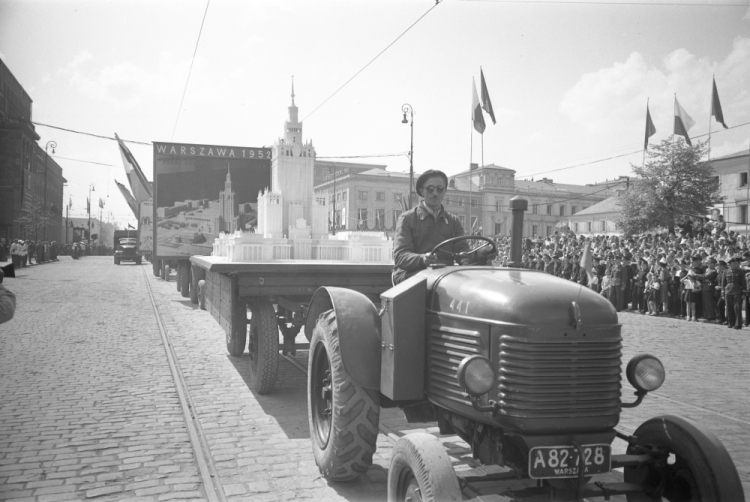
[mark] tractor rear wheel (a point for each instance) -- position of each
(343, 416)
(264, 346)
(421, 470)
(692, 463)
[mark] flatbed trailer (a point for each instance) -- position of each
(276, 296)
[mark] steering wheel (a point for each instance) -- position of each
(457, 257)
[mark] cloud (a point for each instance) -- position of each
(612, 100)
(747, 14)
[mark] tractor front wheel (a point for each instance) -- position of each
(691, 463)
(421, 470)
(343, 416)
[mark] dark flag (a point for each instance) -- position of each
(650, 129)
(486, 103)
(716, 107)
(131, 226)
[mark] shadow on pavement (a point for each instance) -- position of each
(187, 303)
(372, 486)
(287, 401)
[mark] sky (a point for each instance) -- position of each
(569, 81)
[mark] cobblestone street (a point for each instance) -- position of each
(89, 407)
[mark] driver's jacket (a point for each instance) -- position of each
(417, 233)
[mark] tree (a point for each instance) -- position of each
(674, 184)
(34, 218)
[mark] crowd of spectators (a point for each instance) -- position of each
(693, 273)
(23, 253)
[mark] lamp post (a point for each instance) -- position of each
(407, 108)
(88, 210)
(46, 147)
(333, 169)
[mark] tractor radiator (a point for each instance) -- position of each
(544, 379)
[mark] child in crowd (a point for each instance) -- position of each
(652, 291)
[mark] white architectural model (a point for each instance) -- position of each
(292, 219)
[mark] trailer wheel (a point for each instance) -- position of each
(264, 347)
(195, 276)
(155, 268)
(343, 416)
(421, 470)
(185, 280)
(178, 269)
(692, 463)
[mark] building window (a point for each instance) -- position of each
(380, 196)
(362, 217)
(562, 210)
(380, 218)
(462, 219)
(588, 226)
(460, 202)
(338, 196)
(743, 179)
(474, 202)
(498, 205)
(498, 228)
(743, 213)
(549, 210)
(549, 230)
(573, 210)
(447, 201)
(603, 226)
(361, 195)
(343, 195)
(534, 230)
(534, 209)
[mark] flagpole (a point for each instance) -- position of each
(643, 164)
(709, 118)
(471, 158)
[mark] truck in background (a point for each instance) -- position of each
(126, 246)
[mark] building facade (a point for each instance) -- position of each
(733, 171)
(367, 197)
(30, 180)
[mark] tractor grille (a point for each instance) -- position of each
(571, 378)
(448, 347)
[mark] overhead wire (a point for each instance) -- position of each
(600, 2)
(437, 2)
(184, 91)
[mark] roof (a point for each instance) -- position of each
(741, 153)
(383, 172)
(543, 186)
(608, 205)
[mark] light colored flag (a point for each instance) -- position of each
(682, 121)
(587, 261)
(70, 201)
(128, 198)
(140, 186)
(716, 107)
(476, 109)
(101, 202)
(650, 129)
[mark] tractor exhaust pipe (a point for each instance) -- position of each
(518, 205)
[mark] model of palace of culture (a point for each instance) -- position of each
(292, 219)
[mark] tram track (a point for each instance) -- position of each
(206, 468)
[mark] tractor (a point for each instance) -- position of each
(523, 366)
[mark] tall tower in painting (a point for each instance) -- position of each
(226, 205)
(292, 167)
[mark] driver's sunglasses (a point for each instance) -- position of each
(433, 189)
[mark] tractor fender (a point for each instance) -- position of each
(359, 331)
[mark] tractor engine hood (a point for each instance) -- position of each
(516, 296)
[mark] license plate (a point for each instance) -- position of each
(563, 461)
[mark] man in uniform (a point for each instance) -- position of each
(734, 286)
(425, 226)
(721, 317)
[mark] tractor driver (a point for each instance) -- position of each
(425, 226)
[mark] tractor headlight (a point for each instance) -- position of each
(645, 372)
(476, 375)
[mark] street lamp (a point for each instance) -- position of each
(406, 108)
(46, 147)
(88, 209)
(333, 169)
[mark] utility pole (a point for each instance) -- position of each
(53, 144)
(406, 108)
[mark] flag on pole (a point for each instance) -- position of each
(716, 107)
(140, 186)
(650, 129)
(70, 201)
(130, 226)
(587, 261)
(101, 202)
(486, 103)
(88, 205)
(682, 121)
(128, 198)
(476, 109)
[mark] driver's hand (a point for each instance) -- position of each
(483, 251)
(429, 259)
